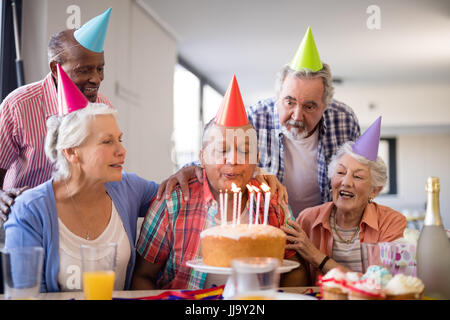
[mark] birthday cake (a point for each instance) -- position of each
(221, 244)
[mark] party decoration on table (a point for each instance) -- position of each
(214, 293)
(232, 111)
(367, 143)
(307, 56)
(70, 97)
(92, 34)
(376, 283)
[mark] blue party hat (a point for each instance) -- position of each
(92, 34)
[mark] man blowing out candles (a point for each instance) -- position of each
(170, 234)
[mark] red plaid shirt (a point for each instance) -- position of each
(170, 233)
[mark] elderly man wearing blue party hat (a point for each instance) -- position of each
(25, 110)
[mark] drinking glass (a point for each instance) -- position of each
(395, 257)
(22, 272)
(98, 265)
(255, 278)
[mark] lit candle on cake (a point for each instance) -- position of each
(239, 207)
(225, 205)
(222, 218)
(250, 212)
(266, 190)
(258, 199)
(235, 190)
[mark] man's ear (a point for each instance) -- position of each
(53, 69)
(200, 157)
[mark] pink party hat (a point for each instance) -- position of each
(70, 97)
(367, 144)
(232, 111)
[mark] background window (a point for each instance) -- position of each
(186, 116)
(212, 100)
(195, 103)
(387, 152)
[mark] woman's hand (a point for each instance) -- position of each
(182, 178)
(299, 241)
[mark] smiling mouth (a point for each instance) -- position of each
(116, 166)
(90, 90)
(346, 194)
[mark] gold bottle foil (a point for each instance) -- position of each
(433, 212)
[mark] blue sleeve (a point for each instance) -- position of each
(145, 191)
(194, 163)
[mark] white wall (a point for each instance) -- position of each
(414, 104)
(140, 56)
(421, 156)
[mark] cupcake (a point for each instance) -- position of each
(402, 287)
(366, 289)
(332, 285)
(378, 274)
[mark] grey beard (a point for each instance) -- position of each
(294, 133)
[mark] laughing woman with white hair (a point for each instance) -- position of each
(329, 235)
(89, 200)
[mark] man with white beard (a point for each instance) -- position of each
(301, 128)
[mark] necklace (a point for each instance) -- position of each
(77, 211)
(347, 241)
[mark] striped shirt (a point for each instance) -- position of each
(170, 233)
(338, 125)
(346, 254)
(23, 116)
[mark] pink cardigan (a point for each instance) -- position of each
(378, 224)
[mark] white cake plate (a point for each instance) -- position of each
(228, 291)
(198, 265)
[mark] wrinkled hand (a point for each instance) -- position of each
(7, 200)
(182, 178)
(275, 186)
(299, 241)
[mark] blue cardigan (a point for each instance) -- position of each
(34, 221)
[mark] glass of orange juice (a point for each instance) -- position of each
(255, 278)
(98, 263)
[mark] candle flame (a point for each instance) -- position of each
(250, 188)
(234, 187)
(256, 189)
(265, 187)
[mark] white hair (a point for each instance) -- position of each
(324, 73)
(70, 131)
(378, 169)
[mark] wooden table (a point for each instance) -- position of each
(138, 293)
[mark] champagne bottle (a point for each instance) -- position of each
(433, 247)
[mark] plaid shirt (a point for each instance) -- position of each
(338, 125)
(170, 233)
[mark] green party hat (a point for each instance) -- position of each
(307, 56)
